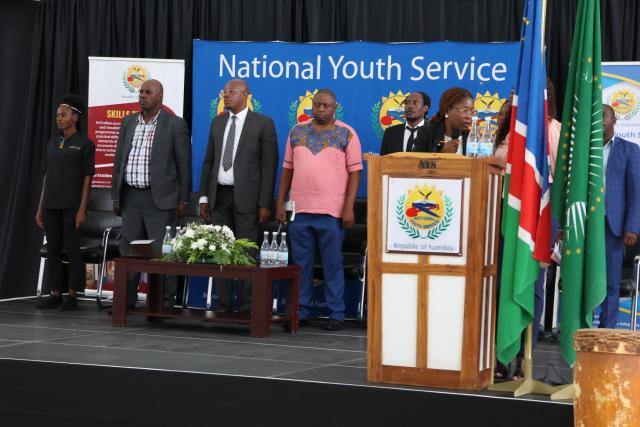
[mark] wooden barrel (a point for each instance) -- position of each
(607, 378)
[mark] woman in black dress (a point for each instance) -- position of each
(449, 127)
(63, 202)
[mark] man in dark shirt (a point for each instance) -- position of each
(409, 136)
(151, 173)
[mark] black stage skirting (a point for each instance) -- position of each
(59, 368)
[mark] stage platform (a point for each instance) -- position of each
(74, 368)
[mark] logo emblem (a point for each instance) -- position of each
(487, 106)
(216, 106)
(624, 102)
(424, 212)
(300, 110)
(389, 111)
(134, 76)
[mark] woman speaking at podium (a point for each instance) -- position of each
(63, 201)
(449, 127)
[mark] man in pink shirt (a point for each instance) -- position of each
(321, 170)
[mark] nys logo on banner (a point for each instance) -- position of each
(621, 90)
(370, 80)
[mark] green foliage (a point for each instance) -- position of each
(375, 119)
(402, 219)
(213, 108)
(214, 244)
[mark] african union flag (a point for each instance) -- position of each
(578, 189)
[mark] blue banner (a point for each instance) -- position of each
(621, 90)
(370, 80)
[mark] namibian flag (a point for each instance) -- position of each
(526, 221)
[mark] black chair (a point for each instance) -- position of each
(354, 253)
(192, 215)
(99, 241)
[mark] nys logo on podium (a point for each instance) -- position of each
(424, 216)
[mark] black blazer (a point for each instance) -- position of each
(434, 135)
(393, 138)
(170, 161)
(254, 166)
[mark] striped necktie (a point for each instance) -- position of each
(227, 157)
(411, 138)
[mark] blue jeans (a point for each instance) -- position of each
(325, 231)
(615, 254)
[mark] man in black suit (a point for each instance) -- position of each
(409, 136)
(151, 173)
(238, 176)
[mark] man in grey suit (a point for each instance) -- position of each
(238, 176)
(151, 179)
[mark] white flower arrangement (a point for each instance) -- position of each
(205, 243)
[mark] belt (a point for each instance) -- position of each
(225, 187)
(129, 187)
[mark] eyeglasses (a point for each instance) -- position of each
(464, 111)
(224, 92)
(411, 102)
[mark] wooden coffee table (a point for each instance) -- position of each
(260, 318)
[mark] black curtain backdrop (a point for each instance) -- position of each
(46, 45)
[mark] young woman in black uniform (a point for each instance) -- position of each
(63, 202)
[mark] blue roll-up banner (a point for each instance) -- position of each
(370, 80)
(621, 90)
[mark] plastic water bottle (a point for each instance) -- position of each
(264, 251)
(283, 251)
(273, 250)
(486, 143)
(167, 244)
(473, 140)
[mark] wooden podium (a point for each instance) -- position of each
(431, 316)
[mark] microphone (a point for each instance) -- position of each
(455, 134)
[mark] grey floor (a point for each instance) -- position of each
(87, 337)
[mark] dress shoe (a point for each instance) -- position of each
(334, 325)
(52, 301)
(69, 303)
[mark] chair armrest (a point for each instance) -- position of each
(116, 230)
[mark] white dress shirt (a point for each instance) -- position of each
(407, 134)
(226, 177)
(138, 168)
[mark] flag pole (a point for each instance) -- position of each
(526, 385)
